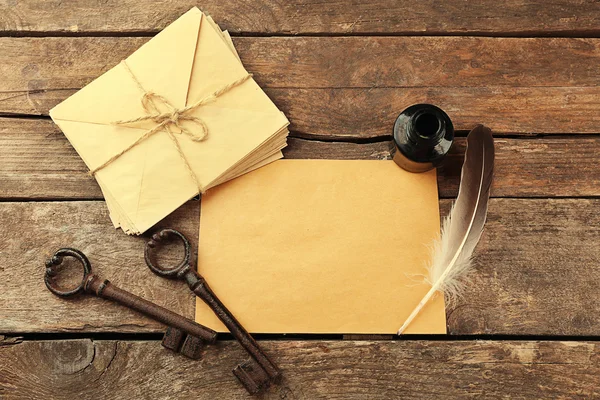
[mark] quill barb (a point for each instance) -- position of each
(462, 229)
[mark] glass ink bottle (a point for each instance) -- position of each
(423, 135)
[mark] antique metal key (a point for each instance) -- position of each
(256, 374)
(183, 334)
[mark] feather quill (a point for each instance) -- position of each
(461, 230)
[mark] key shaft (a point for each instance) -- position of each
(106, 290)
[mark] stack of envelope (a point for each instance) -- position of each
(148, 143)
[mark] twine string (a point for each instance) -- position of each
(173, 117)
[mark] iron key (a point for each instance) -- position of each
(182, 332)
(255, 376)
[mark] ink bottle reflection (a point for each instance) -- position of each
(423, 135)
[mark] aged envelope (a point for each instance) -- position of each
(188, 61)
(321, 246)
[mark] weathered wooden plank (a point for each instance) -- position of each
(536, 269)
(317, 62)
(356, 86)
(537, 260)
(369, 62)
(33, 231)
(357, 113)
(37, 162)
(312, 370)
(329, 62)
(511, 17)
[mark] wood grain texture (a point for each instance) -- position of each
(537, 260)
(536, 270)
(513, 17)
(330, 86)
(329, 62)
(37, 162)
(311, 370)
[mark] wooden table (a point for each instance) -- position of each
(341, 71)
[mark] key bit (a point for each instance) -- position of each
(252, 376)
(192, 347)
(179, 326)
(173, 339)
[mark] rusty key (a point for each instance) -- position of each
(256, 374)
(182, 335)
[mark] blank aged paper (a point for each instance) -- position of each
(321, 246)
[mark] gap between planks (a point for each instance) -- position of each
(567, 34)
(459, 133)
(224, 337)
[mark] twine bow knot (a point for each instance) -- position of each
(173, 117)
(153, 103)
